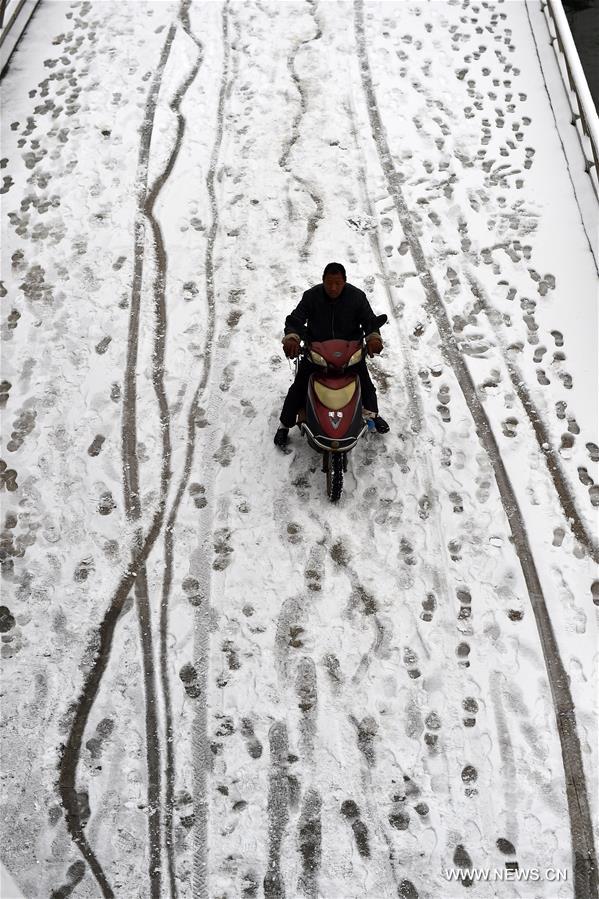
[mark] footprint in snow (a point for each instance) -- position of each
(193, 591)
(463, 652)
(429, 606)
(469, 778)
(232, 655)
(198, 494)
(106, 504)
(313, 574)
(189, 677)
(8, 477)
(595, 592)
(465, 600)
(225, 453)
(431, 736)
(248, 407)
(84, 569)
(566, 379)
(227, 379)
(7, 620)
(407, 551)
(483, 490)
(507, 848)
(443, 397)
(5, 387)
(307, 694)
(339, 554)
(333, 668)
(593, 451)
(294, 532)
(423, 374)
(75, 874)
(539, 353)
(103, 345)
(367, 730)
(558, 338)
(566, 442)
(470, 706)
(542, 378)
(103, 731)
(462, 860)
(457, 502)
(509, 427)
(351, 813)
(249, 885)
(410, 659)
(222, 549)
(95, 447)
(455, 546)
(558, 536)
(253, 744)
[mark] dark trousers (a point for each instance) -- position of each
(296, 395)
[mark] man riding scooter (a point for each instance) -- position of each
(333, 309)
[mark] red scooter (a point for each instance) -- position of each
(333, 418)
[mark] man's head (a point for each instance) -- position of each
(333, 279)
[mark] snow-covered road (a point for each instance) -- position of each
(216, 683)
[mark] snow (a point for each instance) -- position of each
(349, 699)
(8, 888)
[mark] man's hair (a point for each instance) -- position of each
(334, 268)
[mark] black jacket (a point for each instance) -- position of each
(349, 317)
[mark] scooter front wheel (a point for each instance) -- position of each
(335, 476)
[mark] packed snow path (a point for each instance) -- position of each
(217, 684)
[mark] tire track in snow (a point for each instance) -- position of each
(558, 476)
(129, 416)
(440, 583)
(581, 829)
(71, 752)
(506, 751)
(295, 133)
(291, 625)
(365, 729)
(310, 843)
(201, 751)
(169, 766)
(141, 588)
(278, 809)
(412, 389)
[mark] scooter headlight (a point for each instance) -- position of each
(356, 357)
(317, 358)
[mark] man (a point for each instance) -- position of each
(333, 309)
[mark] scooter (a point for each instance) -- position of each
(333, 419)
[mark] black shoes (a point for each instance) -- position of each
(380, 425)
(282, 436)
